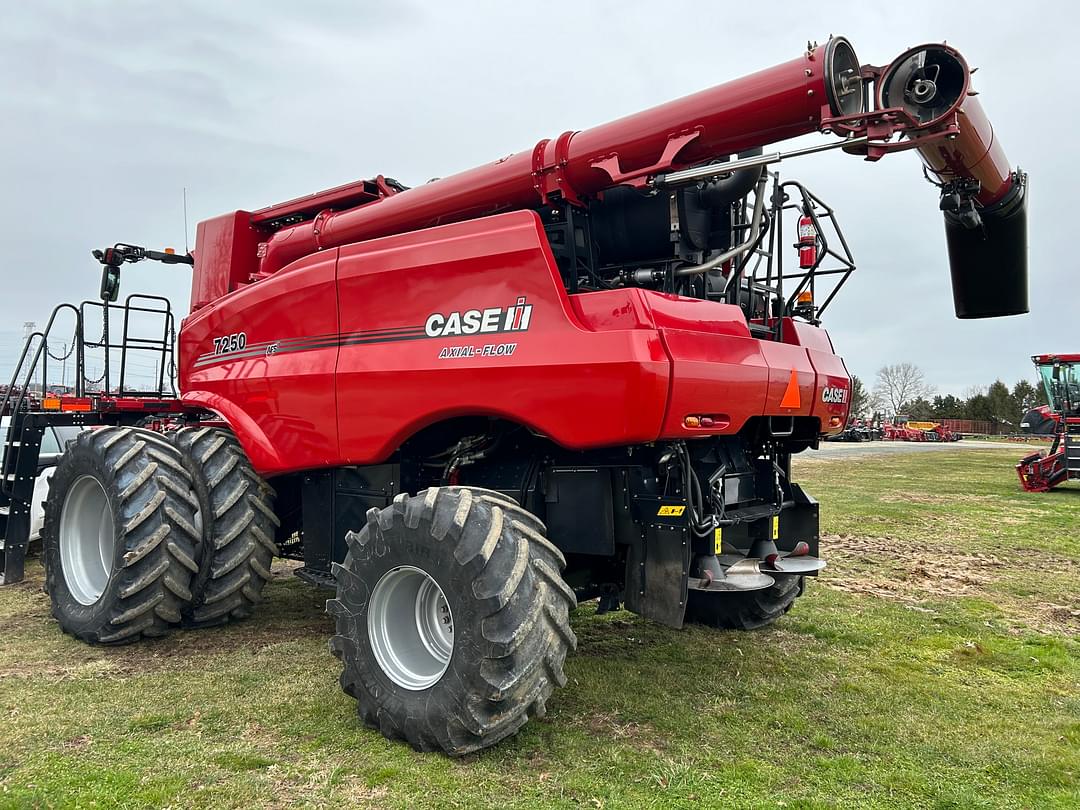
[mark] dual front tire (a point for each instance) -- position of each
(119, 536)
(142, 533)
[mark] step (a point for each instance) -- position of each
(743, 575)
(793, 565)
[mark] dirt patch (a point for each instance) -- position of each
(643, 736)
(914, 574)
(290, 610)
(913, 570)
(311, 783)
(1062, 615)
(78, 743)
(912, 497)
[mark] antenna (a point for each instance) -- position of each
(185, 222)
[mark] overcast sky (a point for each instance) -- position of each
(109, 109)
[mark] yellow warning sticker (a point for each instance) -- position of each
(671, 510)
(718, 540)
(776, 527)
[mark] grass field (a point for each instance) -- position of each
(935, 663)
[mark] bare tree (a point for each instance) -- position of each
(900, 384)
(973, 391)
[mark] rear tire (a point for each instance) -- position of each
(745, 610)
(119, 536)
(501, 599)
(236, 512)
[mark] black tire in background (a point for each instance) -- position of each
(236, 512)
(135, 480)
(744, 610)
(506, 599)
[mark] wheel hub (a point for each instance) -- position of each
(87, 540)
(411, 628)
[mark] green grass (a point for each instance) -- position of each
(936, 663)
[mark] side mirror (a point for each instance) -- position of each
(1057, 372)
(110, 283)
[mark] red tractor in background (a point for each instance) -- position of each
(1044, 470)
(578, 372)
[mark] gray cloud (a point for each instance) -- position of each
(110, 108)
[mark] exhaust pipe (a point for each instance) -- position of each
(983, 201)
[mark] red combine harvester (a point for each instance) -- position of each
(577, 372)
(1042, 471)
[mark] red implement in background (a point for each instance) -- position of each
(1046, 469)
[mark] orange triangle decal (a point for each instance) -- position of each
(792, 399)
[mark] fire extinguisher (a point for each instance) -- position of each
(807, 243)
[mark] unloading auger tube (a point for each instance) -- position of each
(922, 100)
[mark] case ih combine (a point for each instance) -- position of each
(580, 371)
(1041, 472)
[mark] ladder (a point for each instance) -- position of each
(1071, 443)
(18, 471)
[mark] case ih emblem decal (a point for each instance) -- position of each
(477, 321)
(834, 395)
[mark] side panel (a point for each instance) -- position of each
(832, 399)
(783, 360)
(434, 325)
(275, 387)
(722, 376)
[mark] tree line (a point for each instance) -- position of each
(902, 389)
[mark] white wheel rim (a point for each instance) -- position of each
(410, 627)
(87, 540)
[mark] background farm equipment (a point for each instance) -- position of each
(904, 430)
(858, 430)
(1044, 470)
(577, 372)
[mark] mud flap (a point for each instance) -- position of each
(658, 568)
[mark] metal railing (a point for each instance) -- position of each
(36, 354)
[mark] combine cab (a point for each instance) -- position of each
(1042, 471)
(578, 372)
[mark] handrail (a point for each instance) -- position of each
(162, 347)
(35, 351)
(24, 389)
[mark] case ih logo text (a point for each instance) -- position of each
(834, 396)
(480, 321)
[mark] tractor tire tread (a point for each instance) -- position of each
(142, 476)
(521, 601)
(748, 610)
(237, 508)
